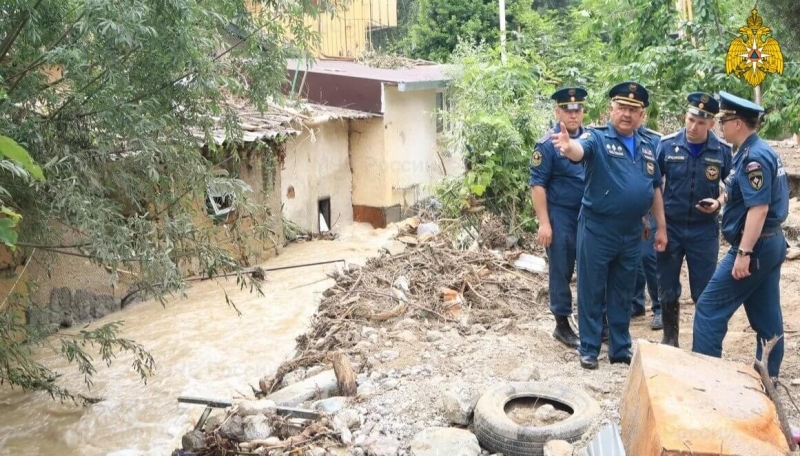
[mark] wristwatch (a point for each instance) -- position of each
(741, 252)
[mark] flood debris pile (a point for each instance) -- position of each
(453, 285)
(255, 427)
(427, 279)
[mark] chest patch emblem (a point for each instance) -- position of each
(712, 172)
(651, 168)
(536, 158)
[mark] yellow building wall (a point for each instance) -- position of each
(345, 33)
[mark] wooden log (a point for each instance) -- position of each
(345, 375)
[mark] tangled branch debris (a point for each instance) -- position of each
(430, 280)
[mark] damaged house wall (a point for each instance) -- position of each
(71, 290)
(317, 166)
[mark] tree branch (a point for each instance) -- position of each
(172, 82)
(41, 59)
(5, 46)
(38, 246)
(772, 393)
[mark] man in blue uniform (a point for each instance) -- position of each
(646, 274)
(693, 162)
(758, 202)
(556, 189)
(623, 183)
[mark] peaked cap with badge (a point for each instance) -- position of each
(570, 98)
(630, 93)
(702, 105)
(732, 106)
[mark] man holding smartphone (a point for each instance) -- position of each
(750, 273)
(693, 162)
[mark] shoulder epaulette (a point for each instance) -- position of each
(669, 136)
(653, 132)
(545, 137)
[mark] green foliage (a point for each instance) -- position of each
(498, 117)
(116, 128)
(671, 68)
(442, 23)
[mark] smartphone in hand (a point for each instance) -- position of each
(705, 203)
(754, 265)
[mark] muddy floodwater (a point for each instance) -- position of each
(202, 348)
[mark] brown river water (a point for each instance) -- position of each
(202, 348)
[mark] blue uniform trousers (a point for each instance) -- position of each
(760, 293)
(608, 255)
(647, 273)
(561, 258)
(699, 244)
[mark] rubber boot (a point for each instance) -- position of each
(670, 314)
(564, 333)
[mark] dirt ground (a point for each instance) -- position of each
(429, 319)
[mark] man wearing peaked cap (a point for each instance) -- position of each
(623, 183)
(556, 189)
(757, 203)
(693, 162)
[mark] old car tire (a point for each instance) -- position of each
(498, 433)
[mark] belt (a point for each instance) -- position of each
(764, 235)
(770, 234)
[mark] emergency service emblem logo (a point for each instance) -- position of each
(712, 172)
(756, 179)
(753, 53)
(536, 158)
(651, 168)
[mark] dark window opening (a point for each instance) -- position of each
(324, 210)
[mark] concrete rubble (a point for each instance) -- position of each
(419, 365)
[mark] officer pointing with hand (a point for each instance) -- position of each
(623, 183)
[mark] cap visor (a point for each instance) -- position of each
(628, 101)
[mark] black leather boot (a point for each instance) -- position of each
(670, 314)
(564, 333)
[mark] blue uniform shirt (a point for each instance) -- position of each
(757, 178)
(690, 177)
(562, 178)
(618, 187)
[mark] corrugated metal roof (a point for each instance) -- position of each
(607, 442)
(279, 120)
(419, 73)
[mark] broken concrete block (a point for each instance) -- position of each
(676, 402)
(558, 448)
(438, 441)
(531, 263)
(394, 247)
(320, 386)
(459, 404)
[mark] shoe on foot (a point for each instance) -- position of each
(657, 322)
(564, 333)
(589, 362)
(624, 359)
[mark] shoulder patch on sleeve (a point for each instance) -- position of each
(586, 135)
(752, 166)
(756, 179)
(536, 158)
